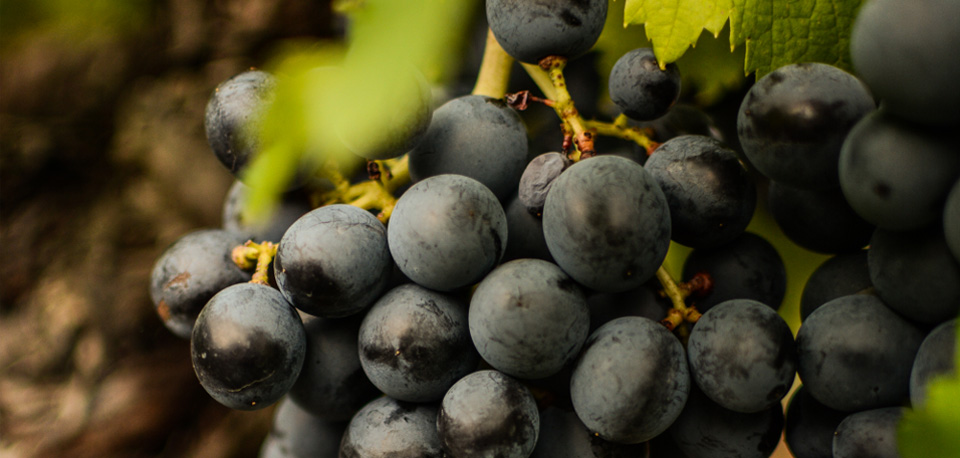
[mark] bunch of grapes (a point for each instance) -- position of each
(514, 304)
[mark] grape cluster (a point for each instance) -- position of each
(515, 305)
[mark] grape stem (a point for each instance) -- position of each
(680, 313)
(620, 129)
(494, 74)
(258, 256)
(368, 195)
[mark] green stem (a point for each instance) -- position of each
(551, 70)
(494, 74)
(258, 256)
(620, 129)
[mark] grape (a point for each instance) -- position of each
(189, 272)
(915, 275)
(905, 53)
(248, 346)
(530, 30)
(296, 433)
(537, 178)
(563, 435)
(793, 121)
(640, 88)
(707, 430)
(607, 224)
(528, 319)
(524, 234)
(868, 434)
(742, 355)
(683, 119)
(414, 343)
(630, 381)
(747, 268)
(332, 384)
(897, 175)
(488, 413)
(841, 275)
(710, 195)
(855, 354)
(291, 207)
(935, 357)
(643, 300)
(447, 232)
(231, 116)
(951, 220)
(810, 426)
(819, 220)
(334, 261)
(389, 428)
(475, 136)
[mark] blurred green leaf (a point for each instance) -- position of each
(933, 429)
(353, 90)
(72, 20)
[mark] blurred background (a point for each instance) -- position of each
(103, 163)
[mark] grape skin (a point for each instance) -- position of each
(190, 272)
(334, 261)
(742, 355)
(905, 51)
(631, 380)
(297, 433)
(529, 30)
(415, 343)
(855, 354)
(537, 178)
(838, 276)
(897, 175)
(563, 435)
(706, 430)
(332, 384)
(607, 223)
(640, 88)
(486, 414)
(819, 220)
(474, 136)
(793, 121)
(231, 112)
(525, 234)
(528, 319)
(447, 232)
(868, 434)
(915, 275)
(935, 357)
(386, 427)
(810, 425)
(248, 346)
(711, 196)
(290, 208)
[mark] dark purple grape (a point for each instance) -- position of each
(630, 381)
(414, 343)
(746, 268)
(641, 88)
(291, 207)
(332, 384)
(841, 275)
(296, 433)
(474, 136)
(710, 195)
(855, 354)
(706, 430)
(810, 426)
(868, 434)
(742, 355)
(793, 121)
(644, 300)
(819, 220)
(915, 274)
(248, 346)
(528, 319)
(607, 224)
(525, 234)
(537, 179)
(530, 30)
(563, 435)
(389, 428)
(936, 357)
(334, 261)
(488, 413)
(231, 116)
(897, 175)
(189, 272)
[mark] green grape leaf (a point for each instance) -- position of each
(329, 95)
(933, 429)
(774, 32)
